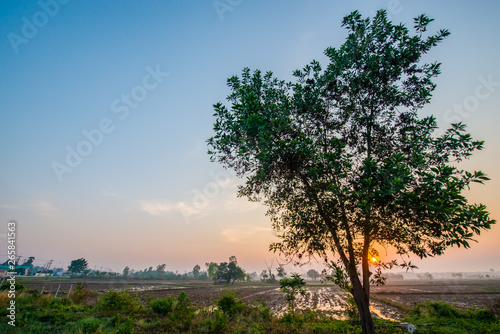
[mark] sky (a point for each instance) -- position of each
(105, 109)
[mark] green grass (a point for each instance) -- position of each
(121, 312)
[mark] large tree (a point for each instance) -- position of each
(311, 273)
(228, 271)
(343, 160)
(78, 266)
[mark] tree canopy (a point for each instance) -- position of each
(342, 158)
(78, 266)
(314, 274)
(226, 271)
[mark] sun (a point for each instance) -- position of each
(374, 259)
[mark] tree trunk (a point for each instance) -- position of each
(363, 304)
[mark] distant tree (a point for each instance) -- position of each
(126, 271)
(311, 273)
(344, 161)
(212, 268)
(196, 271)
(160, 269)
(271, 278)
(264, 275)
(281, 271)
(394, 277)
(291, 287)
(229, 272)
(427, 276)
(78, 266)
(254, 276)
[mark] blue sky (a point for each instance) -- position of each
(147, 73)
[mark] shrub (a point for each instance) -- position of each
(230, 305)
(81, 293)
(485, 315)
(291, 287)
(114, 302)
(127, 327)
(442, 309)
(183, 309)
(162, 306)
(218, 324)
(89, 325)
(18, 287)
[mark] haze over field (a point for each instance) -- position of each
(105, 109)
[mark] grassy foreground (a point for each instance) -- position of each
(119, 312)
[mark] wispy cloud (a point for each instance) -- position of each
(155, 208)
(242, 233)
(45, 208)
(40, 207)
(160, 207)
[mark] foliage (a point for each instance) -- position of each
(183, 312)
(78, 266)
(17, 286)
(447, 319)
(281, 271)
(160, 269)
(229, 272)
(117, 302)
(89, 325)
(45, 314)
(342, 159)
(196, 270)
(81, 293)
(162, 306)
(314, 274)
(291, 287)
(267, 276)
(229, 304)
(211, 269)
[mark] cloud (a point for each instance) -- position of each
(41, 207)
(241, 233)
(45, 208)
(160, 207)
(155, 208)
